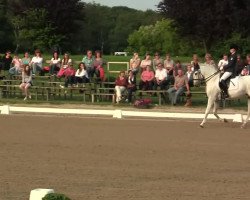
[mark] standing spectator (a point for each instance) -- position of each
(6, 61)
(26, 81)
(189, 75)
(147, 79)
(66, 61)
(120, 86)
(55, 64)
(81, 74)
(135, 63)
(98, 64)
(26, 58)
(160, 77)
(180, 86)
(88, 60)
(37, 62)
(131, 86)
(195, 63)
(17, 63)
(69, 76)
(157, 59)
(146, 62)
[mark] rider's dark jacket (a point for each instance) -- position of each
(231, 66)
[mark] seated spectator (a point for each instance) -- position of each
(239, 65)
(26, 81)
(6, 61)
(189, 75)
(88, 60)
(26, 59)
(245, 71)
(169, 65)
(37, 63)
(157, 59)
(69, 76)
(248, 62)
(98, 64)
(66, 61)
(135, 63)
(180, 86)
(17, 64)
(195, 63)
(160, 77)
(131, 85)
(146, 62)
(120, 86)
(55, 64)
(223, 61)
(81, 75)
(147, 79)
(209, 60)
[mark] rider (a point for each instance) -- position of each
(228, 69)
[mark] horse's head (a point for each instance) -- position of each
(197, 78)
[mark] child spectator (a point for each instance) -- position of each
(26, 81)
(135, 63)
(160, 77)
(131, 86)
(55, 64)
(120, 86)
(81, 75)
(69, 74)
(37, 62)
(147, 79)
(17, 63)
(146, 62)
(189, 75)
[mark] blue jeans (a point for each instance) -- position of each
(175, 94)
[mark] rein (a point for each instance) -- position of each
(209, 77)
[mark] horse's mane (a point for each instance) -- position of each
(207, 69)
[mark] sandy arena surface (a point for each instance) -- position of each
(107, 159)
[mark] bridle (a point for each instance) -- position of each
(205, 80)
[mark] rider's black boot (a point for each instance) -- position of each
(223, 87)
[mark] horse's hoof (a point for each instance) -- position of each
(225, 120)
(201, 126)
(243, 126)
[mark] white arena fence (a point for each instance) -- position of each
(118, 114)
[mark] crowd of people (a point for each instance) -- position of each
(153, 73)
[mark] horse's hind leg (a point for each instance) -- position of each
(248, 114)
(216, 105)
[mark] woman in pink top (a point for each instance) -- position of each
(146, 62)
(147, 79)
(69, 74)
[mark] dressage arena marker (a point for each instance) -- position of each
(118, 114)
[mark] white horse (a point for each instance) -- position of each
(239, 86)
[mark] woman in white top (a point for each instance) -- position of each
(55, 64)
(146, 62)
(223, 62)
(81, 74)
(135, 63)
(26, 81)
(37, 62)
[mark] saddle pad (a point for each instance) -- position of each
(234, 83)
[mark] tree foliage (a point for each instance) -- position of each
(208, 21)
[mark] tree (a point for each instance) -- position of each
(208, 21)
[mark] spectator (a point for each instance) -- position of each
(147, 79)
(69, 76)
(180, 86)
(135, 63)
(169, 65)
(26, 58)
(131, 85)
(98, 64)
(209, 60)
(66, 61)
(160, 77)
(88, 60)
(120, 86)
(37, 63)
(157, 59)
(189, 75)
(239, 66)
(81, 75)
(17, 64)
(102, 74)
(195, 63)
(146, 62)
(26, 81)
(245, 71)
(248, 62)
(223, 61)
(6, 61)
(55, 64)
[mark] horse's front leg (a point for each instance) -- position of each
(210, 103)
(216, 105)
(248, 114)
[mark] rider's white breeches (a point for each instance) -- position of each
(226, 75)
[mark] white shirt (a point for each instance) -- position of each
(38, 61)
(222, 63)
(161, 74)
(55, 61)
(82, 73)
(188, 74)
